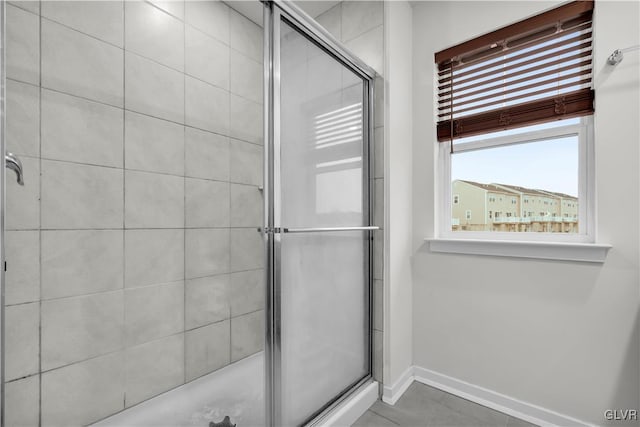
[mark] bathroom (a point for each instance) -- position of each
(236, 209)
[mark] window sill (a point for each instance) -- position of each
(582, 252)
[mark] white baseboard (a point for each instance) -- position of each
(353, 408)
(391, 394)
(480, 395)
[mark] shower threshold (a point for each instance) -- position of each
(236, 391)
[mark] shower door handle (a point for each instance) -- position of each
(278, 230)
(12, 162)
(328, 229)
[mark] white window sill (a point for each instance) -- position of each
(583, 252)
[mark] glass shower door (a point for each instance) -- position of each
(321, 231)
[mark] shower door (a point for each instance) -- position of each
(317, 219)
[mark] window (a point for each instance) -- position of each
(514, 128)
(456, 199)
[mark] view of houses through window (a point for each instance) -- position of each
(501, 207)
(527, 186)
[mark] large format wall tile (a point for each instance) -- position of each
(32, 6)
(81, 196)
(369, 48)
(207, 203)
(78, 328)
(173, 7)
(378, 154)
(206, 58)
(378, 319)
(245, 36)
(206, 155)
(153, 145)
(22, 402)
(23, 45)
(66, 67)
(246, 206)
(153, 256)
(246, 292)
(82, 393)
(153, 368)
(154, 34)
(22, 211)
(154, 312)
(246, 163)
(81, 262)
(77, 130)
(121, 239)
(22, 323)
(245, 119)
(207, 349)
(246, 77)
(23, 119)
(358, 17)
(206, 300)
(206, 106)
(246, 249)
(153, 200)
(101, 19)
(22, 278)
(212, 17)
(153, 89)
(247, 335)
(206, 252)
(331, 20)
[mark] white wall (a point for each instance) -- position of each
(561, 335)
(398, 191)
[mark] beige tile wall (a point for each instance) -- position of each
(134, 264)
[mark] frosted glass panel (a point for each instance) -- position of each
(321, 137)
(324, 319)
(323, 283)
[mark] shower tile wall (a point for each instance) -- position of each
(134, 264)
(360, 26)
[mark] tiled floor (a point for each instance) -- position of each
(422, 405)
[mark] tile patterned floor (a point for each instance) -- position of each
(422, 405)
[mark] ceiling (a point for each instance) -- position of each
(252, 9)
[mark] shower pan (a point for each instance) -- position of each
(186, 216)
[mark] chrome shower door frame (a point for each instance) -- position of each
(3, 57)
(274, 13)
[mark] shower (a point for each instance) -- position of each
(187, 222)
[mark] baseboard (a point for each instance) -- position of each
(391, 394)
(353, 408)
(480, 395)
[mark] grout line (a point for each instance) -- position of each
(251, 227)
(184, 233)
(229, 240)
(124, 208)
(139, 170)
(40, 40)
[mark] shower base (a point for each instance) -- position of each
(236, 391)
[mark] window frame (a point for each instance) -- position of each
(586, 185)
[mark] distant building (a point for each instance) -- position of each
(502, 207)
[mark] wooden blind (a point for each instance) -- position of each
(530, 72)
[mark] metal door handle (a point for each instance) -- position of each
(327, 229)
(12, 162)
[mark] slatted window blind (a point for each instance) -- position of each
(530, 72)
